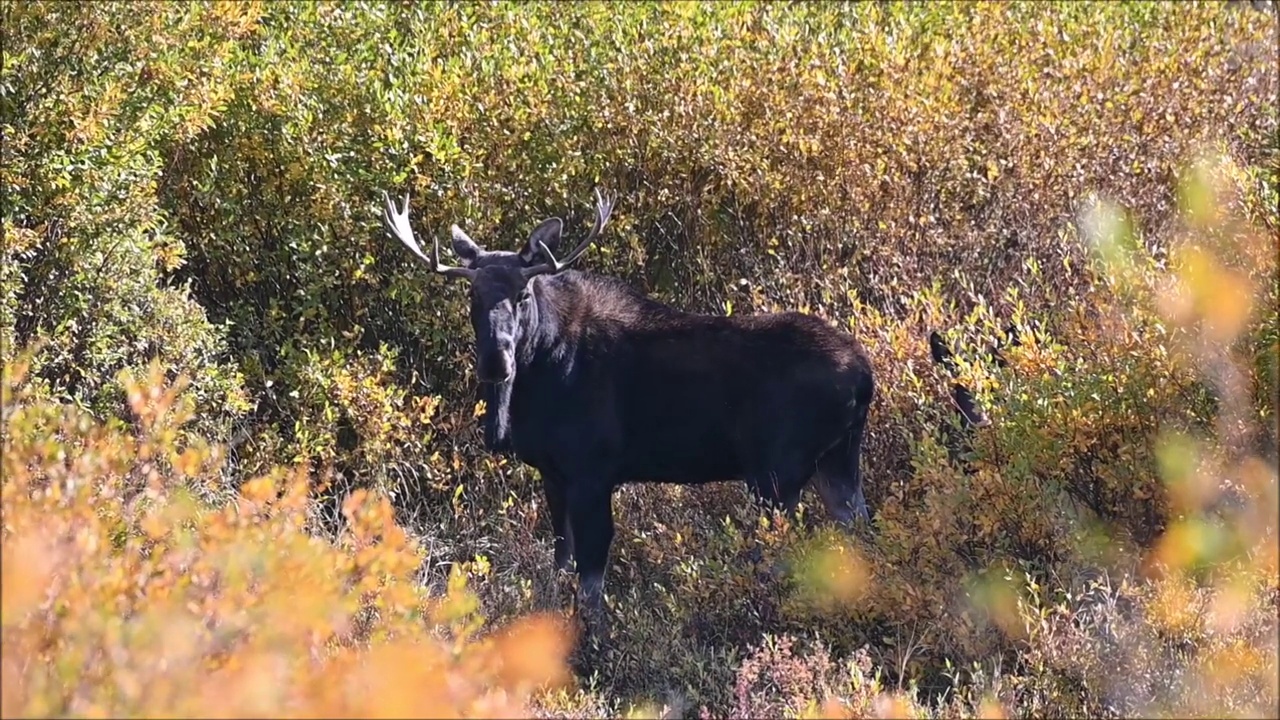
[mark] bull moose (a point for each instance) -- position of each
(972, 416)
(596, 385)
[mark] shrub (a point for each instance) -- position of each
(199, 184)
(89, 251)
(126, 595)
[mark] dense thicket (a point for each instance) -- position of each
(200, 183)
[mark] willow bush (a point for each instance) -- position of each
(198, 185)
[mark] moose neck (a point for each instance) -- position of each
(539, 331)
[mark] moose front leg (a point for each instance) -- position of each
(777, 491)
(773, 492)
(553, 486)
(591, 524)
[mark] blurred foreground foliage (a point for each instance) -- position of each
(126, 595)
(194, 264)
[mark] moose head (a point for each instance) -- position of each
(968, 407)
(504, 309)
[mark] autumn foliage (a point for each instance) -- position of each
(242, 472)
(125, 596)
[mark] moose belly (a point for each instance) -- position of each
(680, 442)
(682, 463)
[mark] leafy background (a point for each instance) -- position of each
(228, 392)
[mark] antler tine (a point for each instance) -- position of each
(399, 223)
(392, 218)
(604, 208)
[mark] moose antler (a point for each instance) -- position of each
(604, 206)
(399, 224)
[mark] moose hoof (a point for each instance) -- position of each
(778, 570)
(595, 627)
(590, 602)
(775, 571)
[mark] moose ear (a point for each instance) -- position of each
(464, 247)
(547, 233)
(938, 348)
